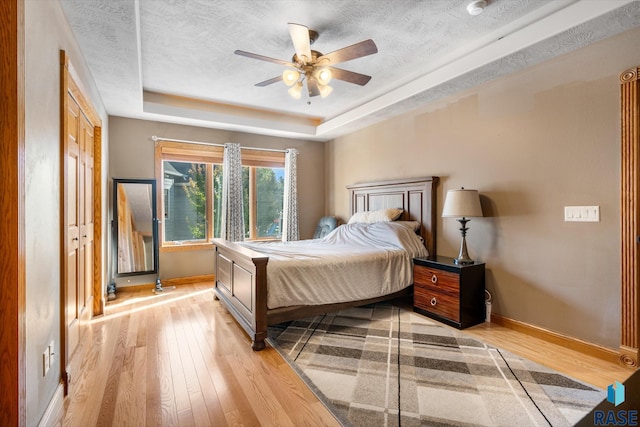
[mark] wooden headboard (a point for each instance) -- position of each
(417, 196)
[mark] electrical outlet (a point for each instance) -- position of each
(45, 362)
(51, 353)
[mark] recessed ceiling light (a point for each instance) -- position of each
(476, 7)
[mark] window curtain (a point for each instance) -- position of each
(232, 221)
(290, 216)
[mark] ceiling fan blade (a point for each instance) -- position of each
(358, 50)
(264, 58)
(312, 86)
(269, 82)
(300, 38)
(349, 76)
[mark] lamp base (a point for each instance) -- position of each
(463, 255)
(462, 261)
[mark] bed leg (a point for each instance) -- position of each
(258, 345)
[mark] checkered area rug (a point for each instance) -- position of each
(383, 365)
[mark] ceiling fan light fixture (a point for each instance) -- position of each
(296, 90)
(476, 7)
(314, 67)
(290, 77)
(323, 75)
(325, 90)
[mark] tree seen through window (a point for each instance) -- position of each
(186, 191)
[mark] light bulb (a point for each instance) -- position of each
(323, 75)
(289, 77)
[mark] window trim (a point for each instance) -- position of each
(210, 155)
(183, 152)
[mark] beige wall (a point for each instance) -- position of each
(132, 156)
(545, 138)
(46, 33)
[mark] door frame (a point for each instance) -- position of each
(12, 229)
(70, 84)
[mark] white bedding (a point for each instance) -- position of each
(353, 262)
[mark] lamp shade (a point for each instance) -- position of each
(290, 77)
(296, 90)
(462, 204)
(325, 90)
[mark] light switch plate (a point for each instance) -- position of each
(45, 362)
(51, 353)
(582, 213)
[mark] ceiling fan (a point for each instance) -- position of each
(313, 67)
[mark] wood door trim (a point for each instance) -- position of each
(70, 83)
(630, 216)
(12, 226)
(99, 298)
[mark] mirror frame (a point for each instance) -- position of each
(154, 226)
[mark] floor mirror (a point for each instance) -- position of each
(135, 228)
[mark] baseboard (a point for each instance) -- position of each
(584, 347)
(176, 281)
(53, 413)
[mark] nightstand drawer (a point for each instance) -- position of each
(448, 292)
(439, 303)
(436, 280)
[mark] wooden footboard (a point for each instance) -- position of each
(241, 285)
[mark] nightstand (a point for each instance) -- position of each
(450, 293)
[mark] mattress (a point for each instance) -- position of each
(353, 262)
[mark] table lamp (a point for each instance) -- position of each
(462, 204)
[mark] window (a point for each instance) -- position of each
(185, 190)
(263, 212)
(191, 177)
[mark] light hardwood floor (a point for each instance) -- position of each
(179, 358)
(592, 370)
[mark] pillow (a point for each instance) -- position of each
(359, 217)
(380, 215)
(414, 225)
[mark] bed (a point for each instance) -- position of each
(242, 268)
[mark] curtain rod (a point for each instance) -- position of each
(159, 138)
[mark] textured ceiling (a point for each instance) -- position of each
(173, 60)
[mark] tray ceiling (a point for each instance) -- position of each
(173, 61)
